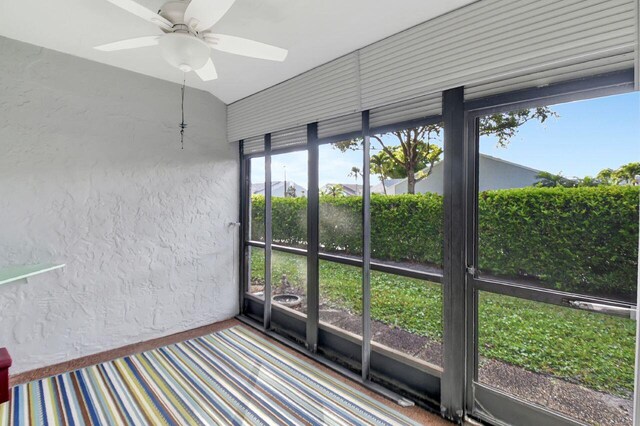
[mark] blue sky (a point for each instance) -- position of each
(587, 137)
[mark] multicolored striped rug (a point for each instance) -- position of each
(232, 377)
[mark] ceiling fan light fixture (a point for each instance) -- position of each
(188, 40)
(184, 51)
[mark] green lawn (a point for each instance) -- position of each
(592, 349)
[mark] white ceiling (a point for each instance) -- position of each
(314, 31)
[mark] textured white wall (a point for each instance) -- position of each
(92, 175)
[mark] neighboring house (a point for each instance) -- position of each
(277, 189)
(389, 184)
(495, 173)
(349, 189)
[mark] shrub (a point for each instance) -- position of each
(407, 228)
(567, 238)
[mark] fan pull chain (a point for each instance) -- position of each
(183, 125)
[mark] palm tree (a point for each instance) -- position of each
(380, 167)
(356, 173)
(334, 190)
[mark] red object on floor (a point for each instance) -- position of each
(5, 363)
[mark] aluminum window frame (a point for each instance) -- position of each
(369, 351)
(508, 407)
(454, 394)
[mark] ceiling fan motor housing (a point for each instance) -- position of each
(181, 47)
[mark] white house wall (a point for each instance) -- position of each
(494, 174)
(92, 175)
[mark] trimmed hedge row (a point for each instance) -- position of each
(570, 239)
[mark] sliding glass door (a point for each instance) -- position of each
(555, 261)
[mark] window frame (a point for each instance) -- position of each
(444, 390)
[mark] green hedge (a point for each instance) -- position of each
(289, 224)
(393, 227)
(567, 238)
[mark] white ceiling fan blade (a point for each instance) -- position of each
(132, 43)
(246, 47)
(208, 72)
(203, 14)
(142, 12)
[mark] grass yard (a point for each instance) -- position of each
(592, 349)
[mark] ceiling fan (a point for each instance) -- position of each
(187, 40)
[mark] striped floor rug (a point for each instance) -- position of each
(232, 377)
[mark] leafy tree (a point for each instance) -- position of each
(385, 168)
(550, 180)
(334, 190)
(588, 181)
(626, 174)
(505, 126)
(417, 150)
(606, 176)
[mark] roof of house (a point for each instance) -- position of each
(379, 189)
(485, 156)
(531, 169)
(348, 188)
(258, 188)
(352, 189)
